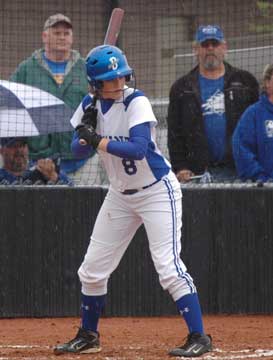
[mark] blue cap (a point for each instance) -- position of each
(208, 32)
(9, 141)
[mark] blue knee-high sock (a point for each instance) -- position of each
(189, 308)
(91, 310)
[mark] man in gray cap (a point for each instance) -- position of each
(57, 38)
(59, 70)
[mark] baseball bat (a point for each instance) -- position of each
(112, 34)
(114, 26)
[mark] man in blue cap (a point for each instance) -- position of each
(205, 106)
(16, 171)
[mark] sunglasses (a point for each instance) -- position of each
(211, 42)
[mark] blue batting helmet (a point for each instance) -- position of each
(106, 62)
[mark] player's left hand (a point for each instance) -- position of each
(89, 135)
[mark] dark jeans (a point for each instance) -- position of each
(223, 174)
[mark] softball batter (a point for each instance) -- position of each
(119, 123)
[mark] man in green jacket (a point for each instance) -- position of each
(60, 71)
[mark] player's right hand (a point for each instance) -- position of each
(90, 117)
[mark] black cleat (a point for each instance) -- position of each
(196, 345)
(85, 342)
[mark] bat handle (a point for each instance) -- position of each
(82, 142)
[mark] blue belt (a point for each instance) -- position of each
(133, 191)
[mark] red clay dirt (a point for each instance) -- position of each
(234, 337)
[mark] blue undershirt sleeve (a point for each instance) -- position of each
(137, 145)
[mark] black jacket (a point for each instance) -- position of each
(187, 142)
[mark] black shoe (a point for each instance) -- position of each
(85, 342)
(196, 345)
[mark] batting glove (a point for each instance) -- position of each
(90, 116)
(88, 134)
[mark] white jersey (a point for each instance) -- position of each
(115, 124)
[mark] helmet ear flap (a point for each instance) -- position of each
(99, 84)
(96, 86)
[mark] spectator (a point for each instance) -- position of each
(253, 136)
(60, 71)
(15, 156)
(204, 108)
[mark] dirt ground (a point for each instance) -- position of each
(234, 337)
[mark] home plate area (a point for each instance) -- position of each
(134, 338)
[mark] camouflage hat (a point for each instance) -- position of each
(55, 19)
(10, 141)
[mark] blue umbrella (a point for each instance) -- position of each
(29, 111)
